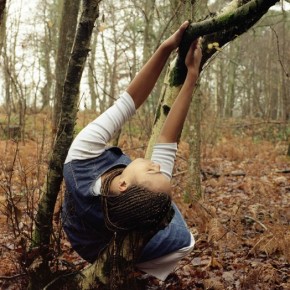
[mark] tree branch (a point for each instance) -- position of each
(2, 7)
(226, 26)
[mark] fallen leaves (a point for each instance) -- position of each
(241, 227)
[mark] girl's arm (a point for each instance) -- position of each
(173, 125)
(92, 140)
(143, 83)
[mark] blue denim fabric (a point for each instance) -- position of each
(172, 238)
(82, 214)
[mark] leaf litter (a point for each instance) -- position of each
(241, 225)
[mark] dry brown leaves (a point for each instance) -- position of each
(241, 226)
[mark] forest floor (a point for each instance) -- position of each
(241, 224)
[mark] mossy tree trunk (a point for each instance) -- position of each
(235, 19)
(64, 137)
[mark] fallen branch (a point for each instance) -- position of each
(256, 221)
(215, 174)
(249, 124)
(283, 171)
(12, 277)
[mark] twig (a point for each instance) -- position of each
(180, 173)
(283, 171)
(60, 277)
(217, 175)
(242, 125)
(220, 238)
(279, 54)
(167, 25)
(253, 248)
(12, 277)
(258, 222)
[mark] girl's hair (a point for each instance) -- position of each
(137, 212)
(137, 209)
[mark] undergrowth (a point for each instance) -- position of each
(241, 225)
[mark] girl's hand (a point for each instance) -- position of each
(174, 40)
(193, 58)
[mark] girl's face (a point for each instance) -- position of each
(146, 173)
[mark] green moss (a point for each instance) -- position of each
(177, 75)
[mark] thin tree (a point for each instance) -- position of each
(64, 136)
(67, 30)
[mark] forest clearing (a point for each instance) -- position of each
(241, 225)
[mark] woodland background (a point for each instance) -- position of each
(242, 221)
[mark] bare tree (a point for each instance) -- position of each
(47, 43)
(67, 31)
(92, 73)
(43, 220)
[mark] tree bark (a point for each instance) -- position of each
(67, 32)
(98, 275)
(2, 8)
(231, 94)
(225, 27)
(91, 74)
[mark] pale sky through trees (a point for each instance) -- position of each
(31, 23)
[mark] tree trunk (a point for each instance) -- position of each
(234, 20)
(2, 23)
(67, 32)
(148, 29)
(232, 72)
(2, 9)
(99, 275)
(91, 74)
(64, 137)
(194, 168)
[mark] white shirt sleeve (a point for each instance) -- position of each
(164, 154)
(161, 267)
(91, 141)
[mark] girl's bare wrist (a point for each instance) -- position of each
(192, 74)
(167, 46)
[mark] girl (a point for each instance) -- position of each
(107, 193)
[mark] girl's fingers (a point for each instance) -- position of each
(185, 24)
(194, 54)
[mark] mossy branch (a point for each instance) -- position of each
(224, 27)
